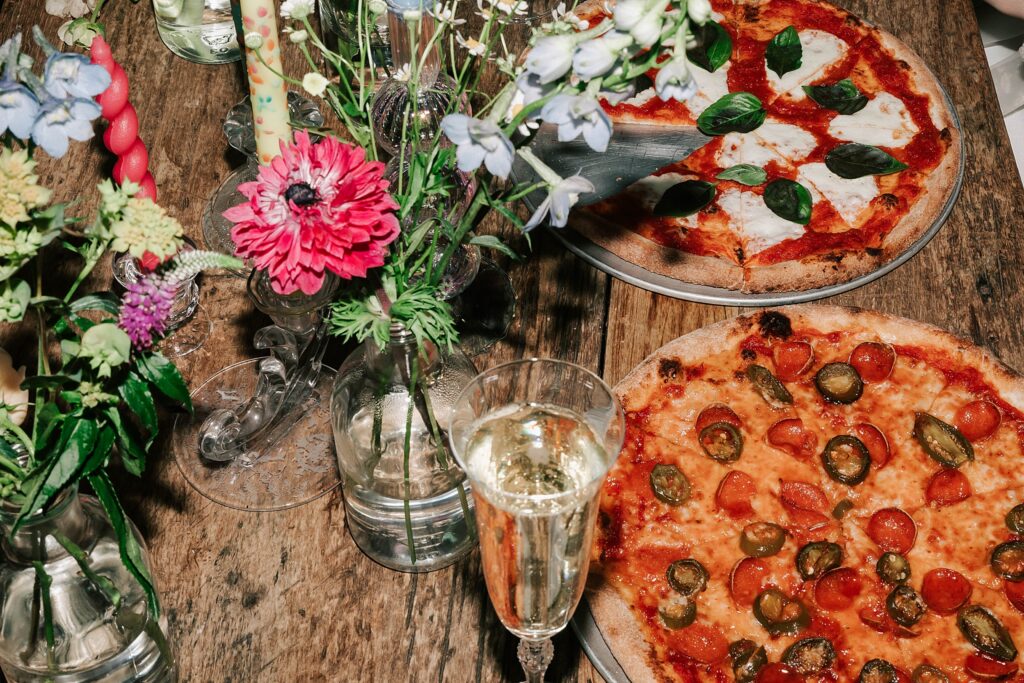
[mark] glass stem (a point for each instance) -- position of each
(534, 657)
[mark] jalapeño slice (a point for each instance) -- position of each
(842, 507)
(809, 656)
(905, 605)
(846, 459)
(722, 442)
(748, 658)
(762, 539)
(942, 442)
(1008, 560)
(669, 484)
(677, 612)
(818, 557)
(687, 577)
(893, 568)
(780, 614)
(983, 630)
(1015, 519)
(839, 383)
(769, 386)
(878, 671)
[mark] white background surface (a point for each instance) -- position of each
(1002, 36)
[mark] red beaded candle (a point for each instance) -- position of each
(122, 134)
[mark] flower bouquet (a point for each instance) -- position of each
(90, 401)
(452, 145)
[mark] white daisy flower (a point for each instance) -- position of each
(296, 9)
(472, 45)
(315, 84)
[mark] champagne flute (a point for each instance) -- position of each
(536, 439)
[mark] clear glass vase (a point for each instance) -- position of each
(102, 629)
(406, 501)
(200, 31)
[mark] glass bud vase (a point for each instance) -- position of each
(406, 501)
(102, 629)
(409, 109)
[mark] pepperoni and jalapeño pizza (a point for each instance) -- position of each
(816, 494)
(832, 150)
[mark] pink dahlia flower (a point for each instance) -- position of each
(315, 208)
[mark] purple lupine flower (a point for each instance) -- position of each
(145, 308)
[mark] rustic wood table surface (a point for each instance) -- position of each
(287, 596)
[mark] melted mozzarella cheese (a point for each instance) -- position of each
(791, 142)
(641, 98)
(884, 122)
(849, 197)
(820, 51)
(711, 87)
(744, 148)
(650, 190)
(759, 226)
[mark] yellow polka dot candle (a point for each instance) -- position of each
(267, 90)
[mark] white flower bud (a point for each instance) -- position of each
(298, 37)
(253, 40)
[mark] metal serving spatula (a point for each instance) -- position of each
(634, 152)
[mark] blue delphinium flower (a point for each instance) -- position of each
(18, 106)
(59, 120)
(479, 142)
(71, 75)
(575, 114)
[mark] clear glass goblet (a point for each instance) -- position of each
(536, 438)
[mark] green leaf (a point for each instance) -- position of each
(854, 160)
(789, 199)
(131, 551)
(492, 242)
(162, 374)
(45, 382)
(137, 396)
(843, 97)
(99, 301)
(738, 112)
(101, 451)
(48, 420)
(133, 454)
(78, 437)
(745, 174)
(784, 52)
(713, 48)
(685, 199)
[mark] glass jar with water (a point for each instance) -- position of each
(200, 31)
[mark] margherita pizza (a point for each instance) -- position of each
(832, 150)
(816, 494)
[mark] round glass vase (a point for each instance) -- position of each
(102, 629)
(406, 501)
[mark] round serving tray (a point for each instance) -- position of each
(602, 259)
(593, 642)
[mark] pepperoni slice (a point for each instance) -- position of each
(987, 669)
(873, 361)
(806, 504)
(747, 580)
(874, 616)
(948, 487)
(837, 589)
(945, 591)
(734, 494)
(791, 436)
(777, 673)
(893, 530)
(704, 643)
(792, 359)
(874, 440)
(977, 420)
(1015, 593)
(717, 412)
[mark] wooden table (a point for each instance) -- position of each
(287, 596)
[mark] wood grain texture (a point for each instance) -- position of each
(287, 596)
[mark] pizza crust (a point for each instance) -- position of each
(614, 617)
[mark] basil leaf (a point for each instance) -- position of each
(843, 97)
(746, 174)
(789, 199)
(162, 374)
(784, 52)
(854, 160)
(713, 48)
(685, 199)
(738, 112)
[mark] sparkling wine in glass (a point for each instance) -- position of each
(536, 439)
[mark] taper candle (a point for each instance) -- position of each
(267, 90)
